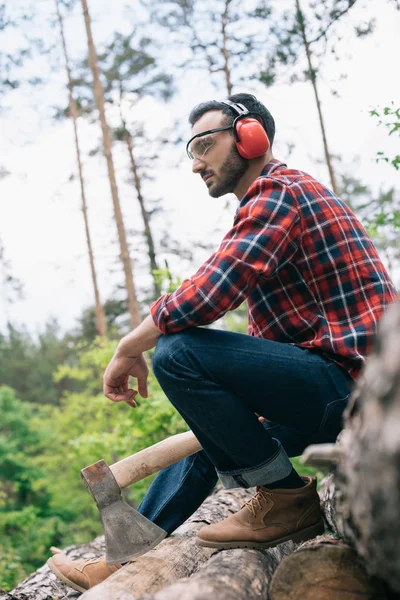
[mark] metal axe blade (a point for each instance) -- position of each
(128, 534)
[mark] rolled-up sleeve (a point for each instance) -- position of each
(264, 237)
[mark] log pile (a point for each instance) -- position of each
(360, 558)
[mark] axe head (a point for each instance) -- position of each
(128, 534)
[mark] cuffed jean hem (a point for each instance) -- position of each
(276, 468)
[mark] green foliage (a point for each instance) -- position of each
(88, 427)
(294, 32)
(43, 501)
(307, 471)
(115, 312)
(379, 213)
(389, 116)
(27, 364)
(26, 528)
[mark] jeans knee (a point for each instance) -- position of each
(161, 353)
(174, 354)
(166, 347)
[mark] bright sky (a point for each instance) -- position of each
(41, 222)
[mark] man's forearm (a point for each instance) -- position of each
(139, 340)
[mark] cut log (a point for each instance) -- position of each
(229, 575)
(174, 558)
(324, 570)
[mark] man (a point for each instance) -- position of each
(315, 289)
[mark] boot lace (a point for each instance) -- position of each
(91, 561)
(256, 503)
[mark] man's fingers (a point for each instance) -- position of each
(142, 386)
(121, 396)
(131, 402)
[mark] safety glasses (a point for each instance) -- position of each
(200, 147)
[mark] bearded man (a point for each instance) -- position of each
(315, 289)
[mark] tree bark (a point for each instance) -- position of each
(151, 250)
(133, 304)
(313, 79)
(361, 498)
(43, 584)
(368, 473)
(224, 49)
(229, 575)
(101, 325)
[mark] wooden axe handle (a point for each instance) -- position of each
(153, 459)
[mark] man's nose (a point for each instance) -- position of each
(198, 165)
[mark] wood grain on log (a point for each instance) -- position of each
(324, 570)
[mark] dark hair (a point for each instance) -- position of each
(249, 101)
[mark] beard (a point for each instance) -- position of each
(231, 172)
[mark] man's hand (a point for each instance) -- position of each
(262, 419)
(116, 376)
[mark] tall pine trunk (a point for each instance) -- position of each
(145, 215)
(133, 304)
(101, 325)
(313, 79)
(151, 250)
(224, 49)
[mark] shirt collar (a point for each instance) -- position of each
(271, 166)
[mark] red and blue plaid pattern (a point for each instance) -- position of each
(304, 263)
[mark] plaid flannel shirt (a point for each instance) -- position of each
(297, 254)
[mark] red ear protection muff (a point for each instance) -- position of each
(251, 138)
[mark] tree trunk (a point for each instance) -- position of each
(361, 499)
(145, 215)
(99, 97)
(229, 575)
(324, 570)
(101, 325)
(368, 474)
(313, 79)
(224, 49)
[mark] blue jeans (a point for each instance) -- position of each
(218, 380)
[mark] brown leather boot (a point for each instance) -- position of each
(81, 574)
(269, 518)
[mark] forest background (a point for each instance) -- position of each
(100, 214)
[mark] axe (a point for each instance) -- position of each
(127, 532)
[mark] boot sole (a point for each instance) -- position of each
(64, 579)
(298, 536)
